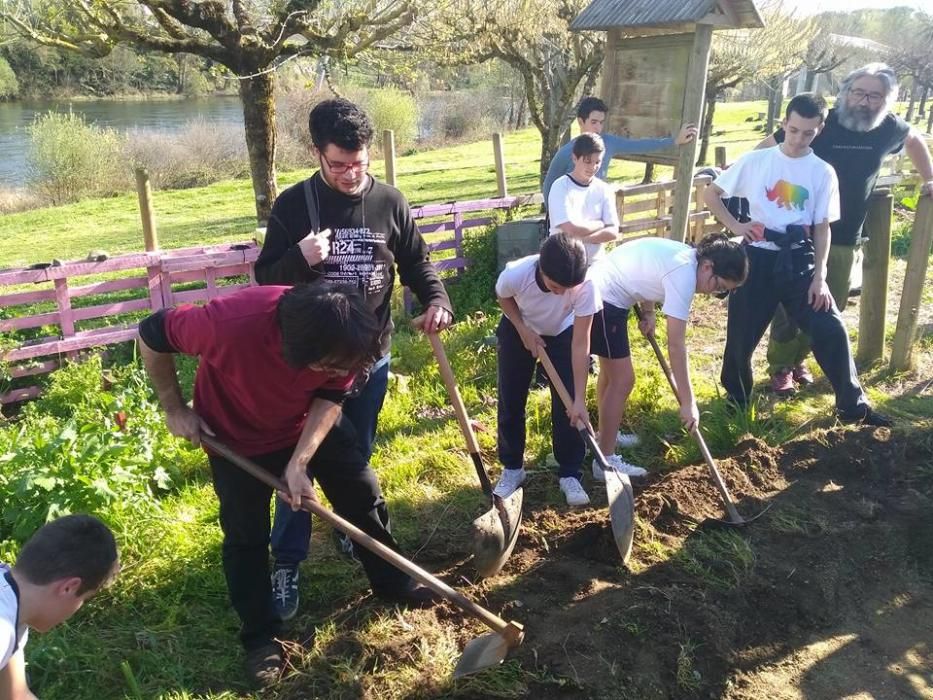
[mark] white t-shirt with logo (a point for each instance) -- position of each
(656, 270)
(13, 633)
(569, 201)
(783, 191)
(544, 312)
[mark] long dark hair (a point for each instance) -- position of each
(727, 257)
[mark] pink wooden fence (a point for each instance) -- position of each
(57, 296)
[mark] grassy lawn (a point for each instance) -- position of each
(165, 628)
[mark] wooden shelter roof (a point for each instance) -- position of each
(609, 14)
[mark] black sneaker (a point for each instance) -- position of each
(344, 545)
(264, 664)
(285, 590)
(870, 417)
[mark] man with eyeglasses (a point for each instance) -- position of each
(860, 132)
(342, 225)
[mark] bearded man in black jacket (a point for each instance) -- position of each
(341, 225)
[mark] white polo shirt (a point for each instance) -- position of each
(13, 634)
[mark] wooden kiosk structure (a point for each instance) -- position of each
(654, 75)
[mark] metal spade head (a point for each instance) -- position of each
(495, 533)
(621, 499)
(488, 650)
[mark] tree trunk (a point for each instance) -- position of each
(256, 94)
(649, 174)
(550, 142)
(913, 103)
(922, 112)
(811, 80)
(775, 100)
(707, 128)
(930, 122)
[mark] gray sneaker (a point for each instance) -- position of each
(285, 590)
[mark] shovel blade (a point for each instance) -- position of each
(621, 499)
(495, 533)
(485, 651)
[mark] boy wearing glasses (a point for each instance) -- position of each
(342, 225)
(793, 196)
(860, 132)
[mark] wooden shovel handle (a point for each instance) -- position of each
(508, 629)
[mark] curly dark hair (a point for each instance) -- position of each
(727, 256)
(341, 123)
(563, 259)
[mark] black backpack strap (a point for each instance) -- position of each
(314, 216)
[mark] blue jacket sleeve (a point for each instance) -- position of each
(561, 164)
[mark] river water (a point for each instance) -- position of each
(157, 115)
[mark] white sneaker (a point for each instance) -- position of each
(619, 465)
(510, 480)
(627, 440)
(573, 491)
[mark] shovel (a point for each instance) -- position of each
(619, 491)
(482, 652)
(735, 520)
(495, 531)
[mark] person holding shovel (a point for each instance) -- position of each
(65, 562)
(793, 197)
(646, 272)
(343, 225)
(276, 363)
(548, 304)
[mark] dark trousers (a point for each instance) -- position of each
(516, 369)
(351, 487)
(291, 530)
(751, 307)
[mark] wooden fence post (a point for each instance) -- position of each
(873, 304)
(500, 164)
(917, 261)
(388, 148)
(144, 191)
(720, 157)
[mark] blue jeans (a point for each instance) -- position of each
(291, 530)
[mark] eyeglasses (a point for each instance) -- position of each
(873, 97)
(360, 166)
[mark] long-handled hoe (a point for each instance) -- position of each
(482, 652)
(495, 531)
(619, 491)
(735, 520)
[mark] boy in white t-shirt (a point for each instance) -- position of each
(548, 305)
(645, 272)
(63, 564)
(582, 205)
(793, 197)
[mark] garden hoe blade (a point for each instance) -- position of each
(619, 491)
(479, 653)
(495, 532)
(735, 520)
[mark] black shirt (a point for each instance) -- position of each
(856, 157)
(371, 233)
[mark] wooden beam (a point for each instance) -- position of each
(873, 304)
(917, 261)
(692, 114)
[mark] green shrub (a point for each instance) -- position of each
(475, 290)
(396, 110)
(95, 439)
(71, 159)
(900, 238)
(9, 85)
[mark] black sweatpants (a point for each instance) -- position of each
(751, 308)
(351, 487)
(516, 369)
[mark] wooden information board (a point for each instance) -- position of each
(644, 82)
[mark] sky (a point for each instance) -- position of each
(811, 7)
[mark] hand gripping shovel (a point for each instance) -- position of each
(735, 520)
(482, 652)
(619, 491)
(495, 531)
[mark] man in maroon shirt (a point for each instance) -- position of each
(275, 366)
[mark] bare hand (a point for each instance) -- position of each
(688, 132)
(647, 323)
(435, 319)
(532, 341)
(185, 423)
(818, 296)
(751, 231)
(578, 415)
(299, 486)
(690, 416)
(315, 246)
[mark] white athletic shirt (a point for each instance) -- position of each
(579, 204)
(13, 633)
(649, 269)
(544, 312)
(782, 191)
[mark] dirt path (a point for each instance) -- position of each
(829, 596)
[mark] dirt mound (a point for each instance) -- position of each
(828, 595)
